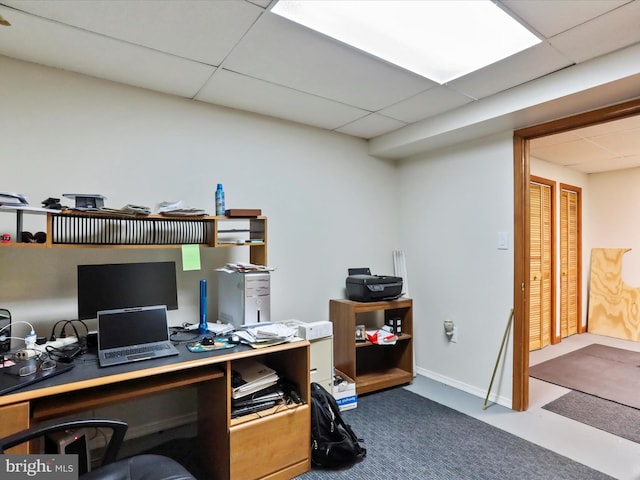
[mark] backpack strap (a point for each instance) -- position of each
(335, 409)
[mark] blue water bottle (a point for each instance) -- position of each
(220, 200)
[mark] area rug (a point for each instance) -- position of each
(602, 414)
(606, 372)
(408, 437)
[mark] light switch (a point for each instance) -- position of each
(503, 240)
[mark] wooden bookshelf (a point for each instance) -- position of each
(373, 367)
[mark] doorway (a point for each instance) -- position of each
(522, 271)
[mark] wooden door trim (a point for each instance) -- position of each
(521, 176)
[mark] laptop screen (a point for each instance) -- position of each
(134, 326)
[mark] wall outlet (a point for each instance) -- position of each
(454, 336)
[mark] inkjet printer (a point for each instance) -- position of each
(364, 287)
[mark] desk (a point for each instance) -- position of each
(274, 444)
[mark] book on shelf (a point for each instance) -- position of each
(253, 408)
(249, 376)
(271, 393)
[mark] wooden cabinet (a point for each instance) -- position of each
(15, 418)
(373, 367)
(275, 443)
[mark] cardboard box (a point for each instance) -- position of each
(345, 395)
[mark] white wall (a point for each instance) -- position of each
(560, 174)
(613, 213)
(454, 203)
(330, 205)
(328, 202)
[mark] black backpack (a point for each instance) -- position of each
(333, 443)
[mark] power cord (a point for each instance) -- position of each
(63, 334)
(65, 352)
(29, 339)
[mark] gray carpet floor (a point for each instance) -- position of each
(408, 436)
(612, 417)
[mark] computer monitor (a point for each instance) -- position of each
(125, 285)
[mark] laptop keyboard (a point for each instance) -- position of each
(136, 351)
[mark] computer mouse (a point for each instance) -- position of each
(207, 341)
(233, 339)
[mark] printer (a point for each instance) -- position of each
(364, 287)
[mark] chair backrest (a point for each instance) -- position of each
(118, 427)
(135, 468)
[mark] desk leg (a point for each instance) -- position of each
(213, 437)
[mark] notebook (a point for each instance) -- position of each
(9, 383)
(133, 334)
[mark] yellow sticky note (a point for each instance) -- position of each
(190, 257)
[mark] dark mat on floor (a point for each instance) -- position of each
(606, 415)
(408, 436)
(606, 372)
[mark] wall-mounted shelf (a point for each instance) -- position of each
(75, 229)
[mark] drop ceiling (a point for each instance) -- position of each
(237, 54)
(608, 146)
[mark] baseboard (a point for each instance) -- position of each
(478, 392)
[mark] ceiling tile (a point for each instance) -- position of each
(282, 52)
(261, 3)
(623, 143)
(564, 137)
(41, 41)
(202, 31)
(528, 65)
(614, 126)
(617, 163)
(426, 104)
(571, 153)
(239, 91)
(614, 31)
(371, 126)
(553, 17)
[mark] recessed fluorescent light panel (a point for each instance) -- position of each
(439, 40)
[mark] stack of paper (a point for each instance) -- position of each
(271, 331)
(244, 267)
(178, 209)
(217, 328)
(266, 334)
(250, 376)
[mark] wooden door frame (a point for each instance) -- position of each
(521, 178)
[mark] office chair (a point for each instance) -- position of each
(138, 467)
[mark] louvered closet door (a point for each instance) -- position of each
(540, 306)
(570, 297)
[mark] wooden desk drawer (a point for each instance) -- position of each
(264, 446)
(14, 419)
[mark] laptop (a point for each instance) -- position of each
(133, 334)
